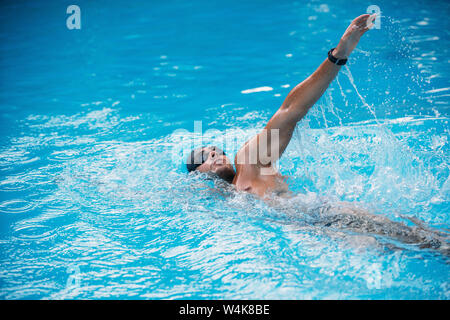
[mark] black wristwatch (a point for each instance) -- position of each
(333, 59)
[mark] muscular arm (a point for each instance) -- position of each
(270, 144)
(299, 101)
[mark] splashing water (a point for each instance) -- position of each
(352, 81)
(93, 204)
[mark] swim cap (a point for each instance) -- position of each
(199, 156)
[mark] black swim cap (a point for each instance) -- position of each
(199, 156)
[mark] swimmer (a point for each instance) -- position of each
(255, 172)
(254, 162)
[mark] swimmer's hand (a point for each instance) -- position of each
(352, 35)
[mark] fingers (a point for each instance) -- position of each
(370, 21)
(361, 19)
(365, 22)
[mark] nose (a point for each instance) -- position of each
(213, 154)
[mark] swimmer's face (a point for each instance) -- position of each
(213, 160)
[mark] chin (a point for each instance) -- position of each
(226, 173)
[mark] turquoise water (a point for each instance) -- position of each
(94, 198)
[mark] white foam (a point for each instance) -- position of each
(437, 90)
(259, 89)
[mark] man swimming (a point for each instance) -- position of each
(255, 172)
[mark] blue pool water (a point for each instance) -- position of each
(94, 198)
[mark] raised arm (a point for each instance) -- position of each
(266, 146)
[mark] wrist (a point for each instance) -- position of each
(338, 60)
(339, 53)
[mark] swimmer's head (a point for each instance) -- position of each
(211, 159)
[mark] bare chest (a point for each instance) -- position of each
(259, 184)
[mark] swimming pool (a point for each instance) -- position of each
(95, 202)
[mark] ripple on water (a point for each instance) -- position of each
(14, 184)
(60, 204)
(24, 181)
(63, 155)
(9, 163)
(16, 206)
(33, 232)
